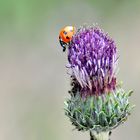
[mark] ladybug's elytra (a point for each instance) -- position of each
(65, 36)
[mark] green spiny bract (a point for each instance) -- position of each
(98, 113)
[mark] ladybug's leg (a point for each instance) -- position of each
(61, 42)
(64, 48)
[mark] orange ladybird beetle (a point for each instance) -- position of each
(65, 36)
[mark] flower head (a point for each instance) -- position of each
(92, 59)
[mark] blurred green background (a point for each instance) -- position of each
(33, 79)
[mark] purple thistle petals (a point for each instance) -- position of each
(92, 57)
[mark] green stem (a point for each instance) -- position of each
(99, 136)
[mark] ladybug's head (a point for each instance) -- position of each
(63, 44)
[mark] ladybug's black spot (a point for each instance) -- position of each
(65, 32)
(67, 37)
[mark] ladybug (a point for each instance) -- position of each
(65, 36)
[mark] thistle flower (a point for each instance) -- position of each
(98, 103)
(92, 58)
